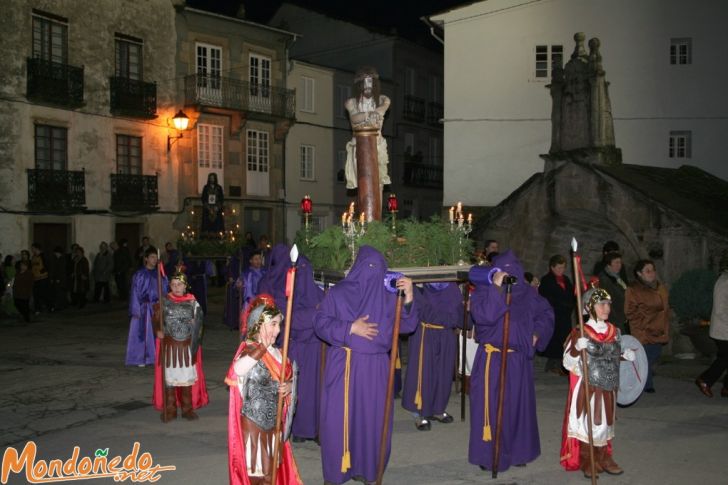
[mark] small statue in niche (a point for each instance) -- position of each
(212, 208)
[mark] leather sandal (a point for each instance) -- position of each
(441, 418)
(423, 425)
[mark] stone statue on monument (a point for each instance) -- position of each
(366, 153)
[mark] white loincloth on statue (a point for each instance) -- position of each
(382, 160)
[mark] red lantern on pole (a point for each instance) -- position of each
(306, 205)
(392, 203)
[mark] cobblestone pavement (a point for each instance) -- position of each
(63, 383)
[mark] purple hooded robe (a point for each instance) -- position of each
(140, 345)
(233, 294)
(361, 293)
(530, 316)
(441, 306)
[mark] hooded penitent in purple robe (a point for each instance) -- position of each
(355, 378)
(197, 273)
(140, 348)
(305, 350)
(233, 292)
(273, 280)
(432, 348)
(531, 317)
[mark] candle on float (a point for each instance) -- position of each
(349, 218)
(452, 214)
(460, 208)
(343, 219)
(470, 218)
(362, 218)
(351, 208)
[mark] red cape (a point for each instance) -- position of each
(287, 473)
(199, 388)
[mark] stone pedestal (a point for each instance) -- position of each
(369, 197)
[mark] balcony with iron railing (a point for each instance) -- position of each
(422, 175)
(56, 190)
(435, 113)
(235, 94)
(130, 97)
(134, 193)
(414, 108)
(54, 83)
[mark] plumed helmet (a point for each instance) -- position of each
(179, 275)
(593, 296)
(261, 309)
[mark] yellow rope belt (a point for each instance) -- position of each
(489, 349)
(418, 394)
(346, 457)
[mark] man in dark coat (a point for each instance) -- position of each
(558, 289)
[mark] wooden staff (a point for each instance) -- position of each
(162, 347)
(463, 357)
(584, 365)
(502, 378)
(390, 387)
(290, 285)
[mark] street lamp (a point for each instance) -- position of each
(180, 122)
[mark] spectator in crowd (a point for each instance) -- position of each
(7, 306)
(558, 289)
(8, 268)
(719, 334)
(24, 256)
(122, 265)
(23, 289)
(648, 311)
(79, 278)
(249, 241)
(142, 251)
(58, 278)
(609, 247)
(611, 280)
(171, 258)
(103, 267)
(41, 283)
(531, 279)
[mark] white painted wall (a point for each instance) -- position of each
(316, 129)
(497, 116)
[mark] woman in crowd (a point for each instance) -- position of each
(719, 334)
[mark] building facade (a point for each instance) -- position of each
(411, 77)
(665, 62)
(232, 76)
(86, 96)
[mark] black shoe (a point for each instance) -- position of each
(485, 469)
(423, 425)
(298, 439)
(442, 418)
(651, 390)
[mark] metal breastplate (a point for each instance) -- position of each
(603, 363)
(260, 396)
(179, 319)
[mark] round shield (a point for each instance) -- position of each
(632, 375)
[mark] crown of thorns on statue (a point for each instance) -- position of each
(261, 309)
(364, 72)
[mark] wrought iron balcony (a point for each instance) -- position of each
(56, 190)
(419, 175)
(55, 83)
(133, 98)
(134, 193)
(435, 113)
(414, 108)
(229, 93)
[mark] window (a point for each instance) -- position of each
(50, 38)
(435, 89)
(129, 57)
(340, 166)
(209, 65)
(259, 76)
(409, 143)
(410, 79)
(307, 163)
(681, 51)
(680, 144)
(209, 146)
(315, 223)
(435, 153)
(342, 94)
(129, 154)
(51, 147)
(547, 58)
(257, 151)
(307, 88)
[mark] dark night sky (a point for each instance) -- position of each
(384, 15)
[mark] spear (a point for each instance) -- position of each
(584, 367)
(390, 387)
(502, 378)
(162, 347)
(290, 283)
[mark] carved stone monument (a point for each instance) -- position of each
(581, 116)
(367, 159)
